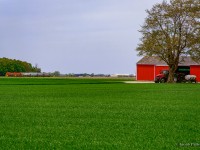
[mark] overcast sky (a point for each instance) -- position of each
(73, 36)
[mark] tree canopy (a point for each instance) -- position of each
(172, 30)
(13, 65)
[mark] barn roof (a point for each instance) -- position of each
(155, 60)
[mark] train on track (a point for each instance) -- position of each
(27, 74)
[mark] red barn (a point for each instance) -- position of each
(149, 67)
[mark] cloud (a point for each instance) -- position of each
(73, 35)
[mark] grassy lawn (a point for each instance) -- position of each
(49, 113)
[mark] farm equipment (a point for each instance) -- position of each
(178, 77)
(162, 77)
(190, 78)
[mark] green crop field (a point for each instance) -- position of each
(50, 113)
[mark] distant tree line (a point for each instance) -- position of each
(13, 65)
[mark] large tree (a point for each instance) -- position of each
(172, 30)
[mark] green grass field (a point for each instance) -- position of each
(48, 113)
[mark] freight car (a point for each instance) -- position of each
(13, 74)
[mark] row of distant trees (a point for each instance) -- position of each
(13, 65)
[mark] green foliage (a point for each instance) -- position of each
(56, 73)
(13, 65)
(172, 30)
(52, 113)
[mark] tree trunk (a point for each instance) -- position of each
(172, 70)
